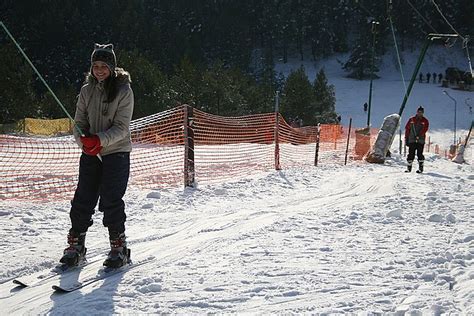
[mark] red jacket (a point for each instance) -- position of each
(415, 130)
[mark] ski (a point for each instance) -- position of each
(34, 279)
(30, 280)
(67, 286)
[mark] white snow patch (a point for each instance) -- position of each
(395, 213)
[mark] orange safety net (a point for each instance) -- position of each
(158, 147)
(37, 167)
(223, 148)
(46, 168)
(432, 147)
(298, 145)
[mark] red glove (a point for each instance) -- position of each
(91, 145)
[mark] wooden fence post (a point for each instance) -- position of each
(277, 130)
(188, 146)
(318, 137)
(348, 137)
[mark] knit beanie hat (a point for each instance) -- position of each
(104, 53)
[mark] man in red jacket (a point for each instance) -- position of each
(415, 133)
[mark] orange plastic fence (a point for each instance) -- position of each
(45, 168)
(158, 148)
(37, 167)
(224, 147)
(431, 147)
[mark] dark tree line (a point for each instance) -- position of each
(217, 55)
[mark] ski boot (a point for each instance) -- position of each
(409, 166)
(119, 254)
(76, 251)
(420, 166)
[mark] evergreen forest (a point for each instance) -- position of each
(217, 55)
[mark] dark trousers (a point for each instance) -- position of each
(107, 180)
(418, 148)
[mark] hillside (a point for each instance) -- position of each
(360, 238)
(388, 91)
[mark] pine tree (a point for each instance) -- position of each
(298, 97)
(185, 83)
(213, 90)
(465, 17)
(150, 85)
(325, 95)
(325, 101)
(359, 63)
(17, 99)
(223, 91)
(48, 106)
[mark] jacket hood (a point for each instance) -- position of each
(122, 77)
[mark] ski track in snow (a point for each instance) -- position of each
(327, 239)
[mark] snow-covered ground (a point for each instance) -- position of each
(360, 238)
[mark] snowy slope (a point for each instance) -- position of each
(317, 239)
(332, 239)
(389, 90)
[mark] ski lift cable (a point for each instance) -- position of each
(468, 57)
(465, 40)
(396, 48)
(421, 16)
(389, 13)
(365, 9)
(446, 20)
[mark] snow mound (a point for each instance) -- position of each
(153, 195)
(436, 218)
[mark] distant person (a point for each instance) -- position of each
(294, 122)
(420, 78)
(339, 118)
(434, 77)
(415, 133)
(440, 77)
(428, 77)
(299, 121)
(103, 113)
(365, 106)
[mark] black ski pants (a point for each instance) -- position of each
(418, 148)
(107, 180)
